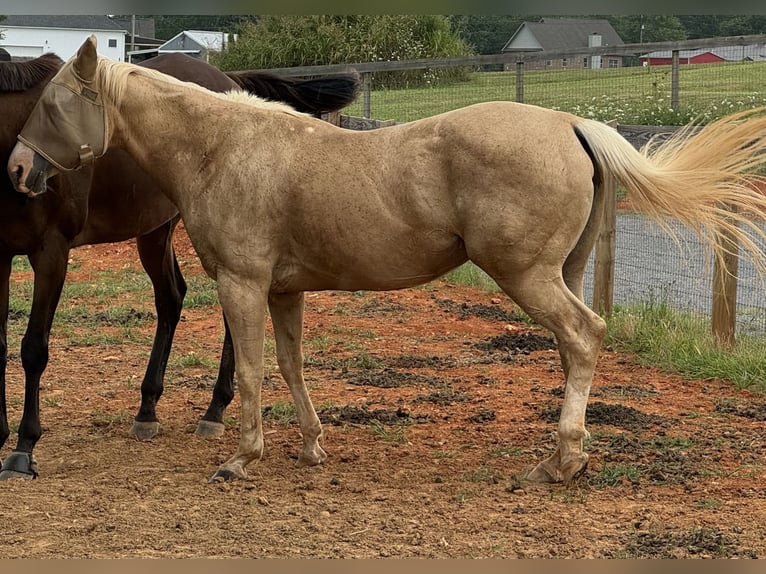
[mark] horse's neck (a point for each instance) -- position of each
(164, 138)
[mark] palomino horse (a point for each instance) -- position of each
(277, 203)
(121, 202)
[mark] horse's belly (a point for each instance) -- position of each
(396, 265)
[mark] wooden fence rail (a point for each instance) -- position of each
(519, 59)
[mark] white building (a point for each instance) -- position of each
(32, 36)
(195, 43)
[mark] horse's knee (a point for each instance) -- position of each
(34, 354)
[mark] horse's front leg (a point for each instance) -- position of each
(244, 303)
(287, 317)
(5, 276)
(50, 271)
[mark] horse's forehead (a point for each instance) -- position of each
(67, 77)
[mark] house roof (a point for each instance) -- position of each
(77, 22)
(756, 52)
(199, 40)
(560, 35)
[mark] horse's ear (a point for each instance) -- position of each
(86, 59)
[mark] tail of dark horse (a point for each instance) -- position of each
(313, 96)
(705, 178)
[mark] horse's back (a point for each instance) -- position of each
(189, 69)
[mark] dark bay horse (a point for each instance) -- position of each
(113, 202)
(277, 203)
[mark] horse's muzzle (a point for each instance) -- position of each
(28, 171)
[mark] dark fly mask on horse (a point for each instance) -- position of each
(71, 112)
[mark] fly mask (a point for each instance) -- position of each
(68, 112)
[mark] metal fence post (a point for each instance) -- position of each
(606, 246)
(724, 310)
(520, 81)
(674, 81)
(366, 81)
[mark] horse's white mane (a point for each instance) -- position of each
(113, 77)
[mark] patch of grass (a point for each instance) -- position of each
(364, 360)
(485, 473)
(570, 495)
(121, 315)
(100, 337)
(192, 359)
(319, 342)
(20, 302)
(281, 412)
(682, 343)
(683, 544)
(462, 495)
(363, 333)
(612, 475)
(102, 418)
(108, 286)
(21, 263)
(469, 274)
(708, 503)
(201, 292)
(394, 434)
(667, 443)
(631, 95)
(505, 451)
(340, 309)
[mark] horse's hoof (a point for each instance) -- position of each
(546, 472)
(312, 458)
(226, 475)
(20, 465)
(209, 429)
(143, 430)
(542, 474)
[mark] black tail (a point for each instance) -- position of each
(313, 96)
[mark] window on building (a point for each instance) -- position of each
(548, 62)
(585, 62)
(613, 63)
(112, 43)
(564, 62)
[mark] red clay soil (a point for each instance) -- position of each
(435, 402)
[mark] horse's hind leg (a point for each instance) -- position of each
(287, 317)
(541, 292)
(576, 262)
(158, 259)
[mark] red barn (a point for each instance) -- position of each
(755, 52)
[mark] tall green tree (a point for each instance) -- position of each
(702, 26)
(743, 25)
(277, 41)
(656, 28)
(488, 34)
(166, 27)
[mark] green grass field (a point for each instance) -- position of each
(633, 95)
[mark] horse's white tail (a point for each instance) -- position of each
(707, 178)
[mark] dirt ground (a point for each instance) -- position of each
(435, 402)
